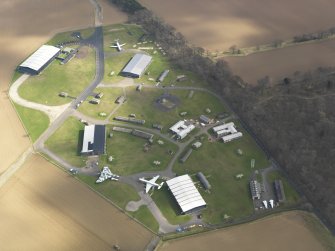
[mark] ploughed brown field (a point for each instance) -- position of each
(219, 24)
(288, 231)
(44, 208)
(281, 63)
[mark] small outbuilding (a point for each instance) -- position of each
(204, 180)
(255, 189)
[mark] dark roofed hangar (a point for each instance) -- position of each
(94, 140)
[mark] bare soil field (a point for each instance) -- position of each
(25, 25)
(44, 208)
(278, 64)
(288, 231)
(219, 24)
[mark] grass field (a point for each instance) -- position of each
(220, 163)
(194, 106)
(144, 215)
(116, 63)
(29, 118)
(65, 142)
(292, 197)
(129, 157)
(168, 206)
(72, 78)
(125, 33)
(66, 36)
(106, 105)
(118, 193)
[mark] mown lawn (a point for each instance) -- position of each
(66, 36)
(129, 157)
(292, 196)
(143, 104)
(36, 122)
(66, 142)
(220, 163)
(144, 215)
(116, 63)
(72, 78)
(119, 193)
(168, 206)
(106, 105)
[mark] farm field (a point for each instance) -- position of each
(281, 63)
(288, 231)
(217, 25)
(47, 209)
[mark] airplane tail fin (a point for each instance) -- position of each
(160, 185)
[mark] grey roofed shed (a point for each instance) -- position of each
(204, 180)
(137, 65)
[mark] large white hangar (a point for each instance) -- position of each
(136, 66)
(39, 59)
(186, 194)
(94, 140)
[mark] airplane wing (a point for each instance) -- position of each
(113, 46)
(122, 44)
(147, 187)
(153, 180)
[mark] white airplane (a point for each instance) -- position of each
(151, 183)
(271, 203)
(265, 203)
(117, 45)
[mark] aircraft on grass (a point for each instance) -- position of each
(151, 183)
(117, 45)
(107, 174)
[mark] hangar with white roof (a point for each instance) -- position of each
(39, 59)
(182, 128)
(136, 66)
(186, 194)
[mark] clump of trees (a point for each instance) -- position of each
(314, 36)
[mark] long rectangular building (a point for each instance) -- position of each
(136, 66)
(94, 140)
(39, 59)
(231, 137)
(186, 194)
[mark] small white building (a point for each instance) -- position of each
(231, 137)
(182, 129)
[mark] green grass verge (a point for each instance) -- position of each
(65, 142)
(144, 215)
(72, 78)
(35, 122)
(116, 63)
(220, 163)
(292, 197)
(129, 157)
(125, 33)
(118, 193)
(66, 36)
(168, 206)
(319, 230)
(148, 111)
(106, 105)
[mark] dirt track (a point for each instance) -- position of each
(44, 208)
(219, 24)
(283, 232)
